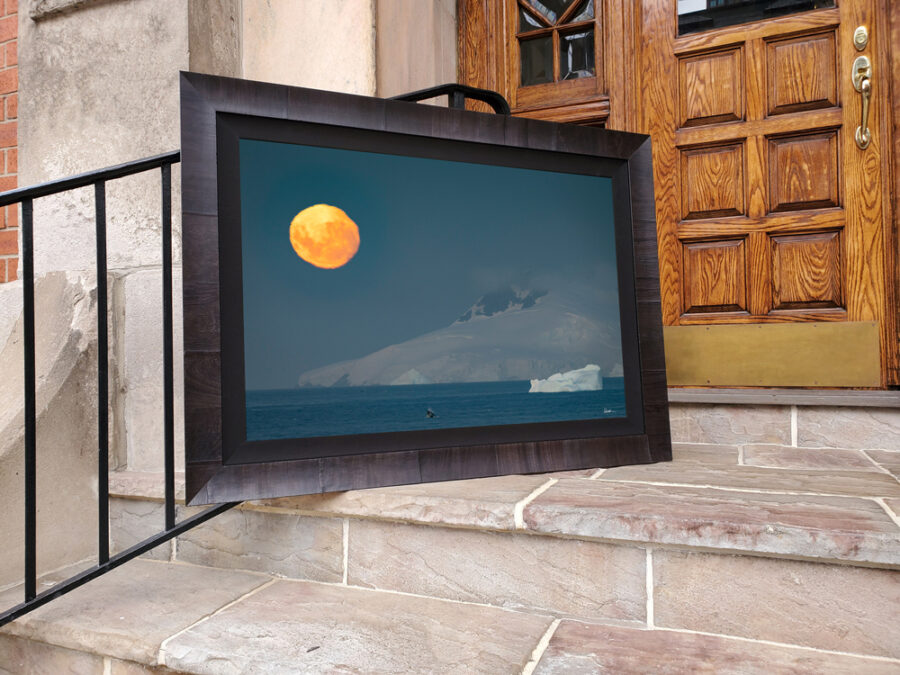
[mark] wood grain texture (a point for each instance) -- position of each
(802, 73)
(659, 78)
(593, 114)
(772, 317)
(795, 221)
(803, 176)
(213, 477)
(780, 124)
(759, 264)
(480, 63)
(891, 54)
(807, 271)
(804, 171)
(714, 276)
(712, 181)
(863, 170)
(711, 87)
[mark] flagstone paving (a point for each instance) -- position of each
(584, 649)
(705, 564)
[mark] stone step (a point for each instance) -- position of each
(152, 617)
(754, 542)
(822, 505)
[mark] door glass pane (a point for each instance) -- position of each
(576, 55)
(584, 13)
(527, 21)
(552, 9)
(699, 15)
(537, 60)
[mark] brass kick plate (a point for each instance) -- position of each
(844, 354)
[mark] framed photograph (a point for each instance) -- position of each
(379, 292)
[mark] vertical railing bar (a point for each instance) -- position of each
(168, 395)
(102, 376)
(457, 100)
(30, 406)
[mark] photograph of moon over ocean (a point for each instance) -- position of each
(389, 293)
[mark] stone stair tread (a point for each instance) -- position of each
(805, 526)
(843, 483)
(295, 626)
(130, 611)
(192, 619)
(827, 504)
(202, 620)
(581, 648)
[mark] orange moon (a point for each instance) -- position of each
(324, 236)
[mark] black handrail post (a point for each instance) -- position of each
(168, 394)
(457, 100)
(30, 407)
(102, 376)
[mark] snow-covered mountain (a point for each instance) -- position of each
(509, 334)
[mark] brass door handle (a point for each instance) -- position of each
(862, 82)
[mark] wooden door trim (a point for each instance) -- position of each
(484, 60)
(890, 11)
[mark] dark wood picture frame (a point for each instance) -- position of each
(220, 466)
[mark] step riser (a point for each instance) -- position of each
(805, 426)
(19, 655)
(826, 606)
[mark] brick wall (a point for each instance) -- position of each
(9, 159)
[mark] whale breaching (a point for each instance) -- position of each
(430, 413)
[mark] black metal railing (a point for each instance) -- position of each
(105, 562)
(456, 94)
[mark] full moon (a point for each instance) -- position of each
(324, 236)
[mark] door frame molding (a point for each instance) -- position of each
(890, 10)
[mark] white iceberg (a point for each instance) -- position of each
(588, 378)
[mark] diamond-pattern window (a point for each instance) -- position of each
(556, 40)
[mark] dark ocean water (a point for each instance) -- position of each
(335, 411)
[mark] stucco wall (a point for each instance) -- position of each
(310, 43)
(99, 83)
(416, 45)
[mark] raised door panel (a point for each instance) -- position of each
(711, 87)
(802, 73)
(807, 271)
(714, 279)
(804, 171)
(712, 181)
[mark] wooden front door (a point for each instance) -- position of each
(769, 211)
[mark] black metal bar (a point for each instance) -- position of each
(168, 396)
(457, 100)
(30, 407)
(492, 98)
(102, 377)
(89, 178)
(138, 549)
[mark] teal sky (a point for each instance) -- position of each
(435, 236)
